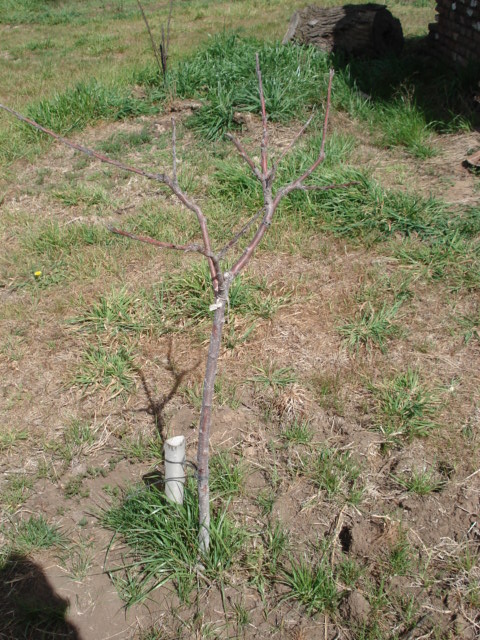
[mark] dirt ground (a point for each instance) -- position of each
(42, 349)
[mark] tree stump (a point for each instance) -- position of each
(367, 30)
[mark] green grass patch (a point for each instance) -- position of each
(163, 539)
(406, 408)
(312, 584)
(227, 474)
(32, 534)
(336, 473)
(110, 369)
(371, 327)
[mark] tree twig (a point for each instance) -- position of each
(154, 46)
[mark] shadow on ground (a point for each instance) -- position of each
(29, 607)
(448, 97)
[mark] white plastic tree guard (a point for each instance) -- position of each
(174, 450)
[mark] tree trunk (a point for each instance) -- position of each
(205, 422)
(360, 30)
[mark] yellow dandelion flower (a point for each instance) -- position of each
(37, 274)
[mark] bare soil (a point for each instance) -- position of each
(40, 353)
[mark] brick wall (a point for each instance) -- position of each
(456, 34)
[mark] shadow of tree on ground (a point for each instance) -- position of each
(446, 96)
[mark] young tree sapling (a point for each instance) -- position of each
(221, 281)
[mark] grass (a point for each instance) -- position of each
(272, 376)
(8, 439)
(16, 491)
(298, 432)
(227, 475)
(312, 584)
(406, 408)
(115, 312)
(336, 474)
(371, 327)
(421, 483)
(110, 369)
(470, 326)
(33, 534)
(163, 539)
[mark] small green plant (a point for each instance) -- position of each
(16, 491)
(276, 541)
(74, 488)
(405, 407)
(349, 572)
(273, 376)
(32, 534)
(227, 474)
(336, 473)
(266, 500)
(371, 327)
(8, 439)
(470, 324)
(143, 448)
(114, 313)
(298, 432)
(312, 584)
(400, 558)
(421, 482)
(109, 369)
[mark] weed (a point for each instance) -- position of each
(78, 559)
(470, 324)
(16, 491)
(164, 541)
(277, 542)
(266, 500)
(110, 369)
(327, 389)
(405, 407)
(336, 473)
(119, 142)
(114, 313)
(74, 488)
(371, 327)
(80, 194)
(298, 432)
(33, 534)
(421, 482)
(403, 124)
(273, 376)
(8, 439)
(400, 558)
(312, 584)
(84, 104)
(143, 448)
(349, 572)
(227, 474)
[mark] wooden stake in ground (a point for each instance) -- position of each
(221, 281)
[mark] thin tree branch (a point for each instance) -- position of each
(158, 243)
(174, 152)
(264, 144)
(315, 187)
(154, 46)
(289, 147)
(241, 150)
(281, 193)
(240, 233)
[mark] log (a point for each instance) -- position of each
(366, 30)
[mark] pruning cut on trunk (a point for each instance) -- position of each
(265, 172)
